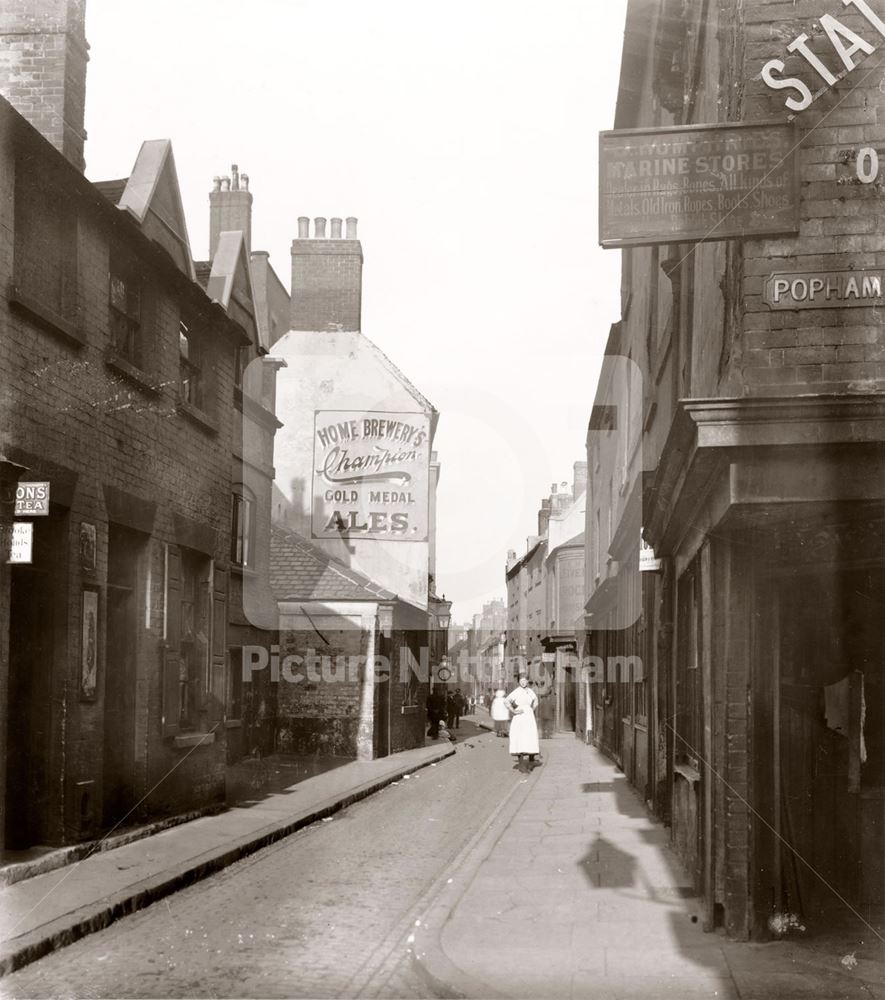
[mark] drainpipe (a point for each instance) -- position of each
(365, 733)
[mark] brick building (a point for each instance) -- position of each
(354, 686)
(355, 475)
(244, 282)
(738, 425)
(121, 391)
(539, 586)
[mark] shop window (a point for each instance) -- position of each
(193, 677)
(242, 528)
(188, 632)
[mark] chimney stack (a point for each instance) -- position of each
(326, 276)
(544, 517)
(579, 479)
(230, 208)
(43, 69)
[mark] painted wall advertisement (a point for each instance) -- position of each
(370, 475)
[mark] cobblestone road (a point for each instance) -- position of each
(325, 913)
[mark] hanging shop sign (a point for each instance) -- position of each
(370, 475)
(825, 289)
(32, 499)
(647, 561)
(697, 183)
(842, 42)
(21, 546)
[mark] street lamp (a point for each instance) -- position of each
(444, 614)
(441, 614)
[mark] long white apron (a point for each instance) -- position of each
(523, 728)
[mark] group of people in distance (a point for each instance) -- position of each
(444, 711)
(445, 708)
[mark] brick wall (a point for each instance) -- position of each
(326, 284)
(319, 707)
(43, 56)
(825, 349)
(74, 417)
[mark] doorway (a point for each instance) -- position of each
(33, 619)
(120, 790)
(829, 715)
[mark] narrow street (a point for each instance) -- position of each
(324, 913)
(467, 879)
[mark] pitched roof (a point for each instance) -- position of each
(112, 190)
(153, 188)
(299, 571)
(577, 541)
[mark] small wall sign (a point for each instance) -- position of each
(32, 499)
(21, 547)
(825, 289)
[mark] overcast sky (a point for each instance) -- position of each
(464, 137)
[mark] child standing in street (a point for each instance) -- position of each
(500, 713)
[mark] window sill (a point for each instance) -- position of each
(244, 571)
(197, 416)
(233, 723)
(47, 318)
(129, 371)
(193, 740)
(410, 709)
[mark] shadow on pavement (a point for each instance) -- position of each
(256, 778)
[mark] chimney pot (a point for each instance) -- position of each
(216, 183)
(235, 177)
(319, 227)
(225, 183)
(303, 227)
(351, 227)
(336, 229)
(244, 181)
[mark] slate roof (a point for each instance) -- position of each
(299, 571)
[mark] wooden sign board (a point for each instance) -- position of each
(697, 183)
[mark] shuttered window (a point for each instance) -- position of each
(195, 642)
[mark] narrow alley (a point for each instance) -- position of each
(469, 879)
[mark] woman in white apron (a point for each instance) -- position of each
(523, 729)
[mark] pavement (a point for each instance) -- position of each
(55, 908)
(480, 882)
(572, 891)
